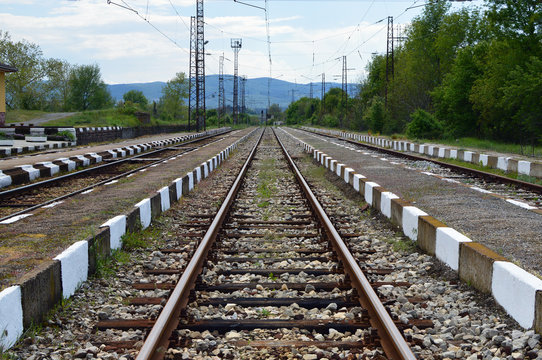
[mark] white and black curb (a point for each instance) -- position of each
(27, 173)
(516, 290)
(507, 164)
(27, 303)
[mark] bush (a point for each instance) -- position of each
(376, 116)
(423, 126)
(66, 134)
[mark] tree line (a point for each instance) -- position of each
(476, 72)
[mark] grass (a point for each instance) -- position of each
(108, 117)
(17, 116)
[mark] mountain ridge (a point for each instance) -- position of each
(255, 91)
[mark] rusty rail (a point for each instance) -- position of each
(156, 343)
(391, 339)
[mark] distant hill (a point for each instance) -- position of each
(255, 91)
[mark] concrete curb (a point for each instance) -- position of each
(516, 290)
(26, 173)
(508, 164)
(28, 302)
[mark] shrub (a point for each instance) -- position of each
(424, 126)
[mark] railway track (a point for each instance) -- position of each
(20, 200)
(271, 268)
(528, 194)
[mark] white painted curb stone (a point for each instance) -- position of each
(5, 180)
(55, 169)
(164, 198)
(524, 167)
(33, 173)
(385, 203)
(178, 187)
(410, 221)
(369, 192)
(447, 245)
(11, 316)
(144, 212)
(190, 181)
(73, 267)
(515, 290)
(117, 228)
(357, 178)
(347, 173)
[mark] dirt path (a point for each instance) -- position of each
(48, 117)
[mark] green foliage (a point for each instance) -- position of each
(4, 136)
(171, 105)
(376, 116)
(67, 134)
(109, 117)
(87, 89)
(423, 126)
(136, 97)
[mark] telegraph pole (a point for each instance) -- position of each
(221, 98)
(389, 57)
(192, 97)
(236, 46)
(200, 67)
(243, 83)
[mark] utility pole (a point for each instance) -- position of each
(243, 82)
(323, 92)
(389, 57)
(236, 46)
(310, 93)
(192, 97)
(221, 97)
(200, 67)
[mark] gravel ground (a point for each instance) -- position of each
(467, 325)
(27, 242)
(516, 235)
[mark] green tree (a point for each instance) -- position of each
(171, 102)
(23, 88)
(136, 97)
(57, 85)
(87, 89)
(376, 116)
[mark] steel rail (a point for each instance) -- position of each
(157, 340)
(483, 174)
(65, 196)
(23, 188)
(392, 341)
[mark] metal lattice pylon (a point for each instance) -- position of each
(200, 67)
(192, 94)
(221, 93)
(389, 56)
(236, 46)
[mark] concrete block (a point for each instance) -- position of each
(73, 267)
(476, 265)
(332, 165)
(427, 233)
(512, 165)
(117, 228)
(144, 207)
(397, 211)
(447, 246)
(453, 154)
(368, 192)
(339, 170)
(5, 180)
(377, 197)
(502, 163)
(410, 221)
(164, 198)
(178, 188)
(385, 203)
(198, 174)
(467, 156)
(348, 175)
(538, 312)
(205, 169)
(53, 169)
(11, 316)
(492, 161)
(441, 152)
(536, 170)
(190, 180)
(41, 289)
(524, 167)
(515, 290)
(483, 159)
(33, 173)
(358, 183)
(70, 163)
(475, 158)
(133, 223)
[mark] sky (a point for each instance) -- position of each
(137, 41)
